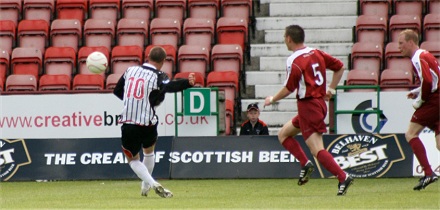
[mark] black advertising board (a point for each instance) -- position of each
(71, 159)
(361, 155)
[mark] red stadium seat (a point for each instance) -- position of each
(209, 9)
(232, 31)
(394, 58)
(111, 81)
(380, 8)
(193, 58)
(33, 34)
(433, 7)
(172, 9)
(24, 82)
(66, 33)
(199, 31)
(54, 82)
(405, 7)
(227, 57)
(367, 56)
(241, 9)
(99, 32)
(72, 9)
(7, 35)
(123, 57)
(4, 65)
(431, 27)
(399, 23)
(11, 10)
(226, 81)
(169, 66)
(39, 9)
(132, 32)
(371, 28)
(88, 82)
(200, 80)
(105, 9)
(82, 57)
(27, 61)
(397, 78)
(362, 77)
(137, 9)
(60, 60)
(165, 31)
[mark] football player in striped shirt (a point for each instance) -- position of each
(142, 89)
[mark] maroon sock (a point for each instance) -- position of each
(420, 153)
(326, 159)
(295, 149)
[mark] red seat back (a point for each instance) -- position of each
(72, 9)
(111, 81)
(199, 31)
(99, 32)
(164, 31)
(66, 33)
(25, 82)
(399, 23)
(39, 9)
(88, 82)
(227, 57)
(60, 60)
(431, 27)
(54, 82)
(11, 10)
(371, 28)
(133, 32)
(137, 9)
(232, 31)
(124, 57)
(7, 35)
(33, 34)
(172, 9)
(27, 61)
(209, 9)
(105, 9)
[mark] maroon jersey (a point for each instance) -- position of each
(306, 70)
(427, 69)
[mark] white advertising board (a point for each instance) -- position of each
(85, 116)
(397, 112)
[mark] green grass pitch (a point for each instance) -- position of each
(381, 193)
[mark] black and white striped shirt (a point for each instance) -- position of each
(142, 88)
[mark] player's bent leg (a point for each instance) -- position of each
(288, 130)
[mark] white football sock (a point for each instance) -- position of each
(149, 162)
(142, 172)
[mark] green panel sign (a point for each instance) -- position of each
(197, 102)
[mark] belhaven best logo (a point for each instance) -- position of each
(13, 154)
(366, 155)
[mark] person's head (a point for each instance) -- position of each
(408, 42)
(253, 112)
(157, 57)
(294, 36)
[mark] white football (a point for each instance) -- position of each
(97, 62)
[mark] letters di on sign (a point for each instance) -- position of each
(197, 102)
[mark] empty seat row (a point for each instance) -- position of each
(388, 79)
(64, 60)
(374, 57)
(375, 28)
(384, 8)
(115, 9)
(98, 32)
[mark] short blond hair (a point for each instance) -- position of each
(410, 35)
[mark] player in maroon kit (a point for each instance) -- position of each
(142, 89)
(426, 101)
(306, 73)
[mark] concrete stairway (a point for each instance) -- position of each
(328, 26)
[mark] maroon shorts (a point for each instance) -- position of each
(428, 114)
(311, 115)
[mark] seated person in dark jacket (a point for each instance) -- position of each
(253, 125)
